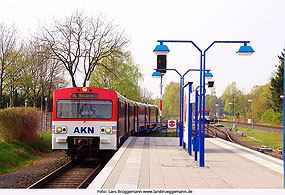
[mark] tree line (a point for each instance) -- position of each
(267, 103)
(70, 51)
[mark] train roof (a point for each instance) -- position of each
(80, 89)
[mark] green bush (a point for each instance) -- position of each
(267, 116)
(43, 142)
(229, 118)
(19, 124)
(271, 117)
(277, 119)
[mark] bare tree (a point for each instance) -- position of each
(38, 73)
(145, 95)
(80, 43)
(8, 53)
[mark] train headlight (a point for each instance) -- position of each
(64, 129)
(58, 129)
(108, 130)
(61, 130)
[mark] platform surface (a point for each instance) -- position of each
(160, 163)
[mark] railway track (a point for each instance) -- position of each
(272, 128)
(213, 133)
(217, 132)
(73, 175)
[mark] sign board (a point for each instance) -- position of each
(192, 98)
(172, 123)
(185, 114)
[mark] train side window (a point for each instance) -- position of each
(122, 110)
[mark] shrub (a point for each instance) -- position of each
(19, 124)
(271, 117)
(277, 119)
(43, 142)
(267, 116)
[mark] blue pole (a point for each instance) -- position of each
(284, 119)
(181, 113)
(176, 129)
(190, 121)
(200, 111)
(202, 134)
(195, 141)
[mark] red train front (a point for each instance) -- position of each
(88, 119)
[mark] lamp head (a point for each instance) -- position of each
(156, 74)
(161, 49)
(245, 50)
(208, 75)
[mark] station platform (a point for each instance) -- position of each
(160, 163)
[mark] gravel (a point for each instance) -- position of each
(26, 176)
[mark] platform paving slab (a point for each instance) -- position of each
(160, 163)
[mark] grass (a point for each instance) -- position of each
(15, 154)
(268, 138)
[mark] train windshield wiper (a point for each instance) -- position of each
(90, 114)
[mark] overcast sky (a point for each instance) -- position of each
(262, 22)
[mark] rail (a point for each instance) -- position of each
(221, 130)
(256, 125)
(72, 175)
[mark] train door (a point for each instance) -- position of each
(121, 121)
(131, 119)
(136, 117)
(148, 117)
(118, 123)
(127, 120)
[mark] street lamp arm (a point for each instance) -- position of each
(169, 69)
(184, 73)
(175, 71)
(179, 41)
(199, 69)
(245, 42)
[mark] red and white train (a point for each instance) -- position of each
(88, 119)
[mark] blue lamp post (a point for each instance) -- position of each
(243, 50)
(181, 119)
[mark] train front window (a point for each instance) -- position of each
(84, 109)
